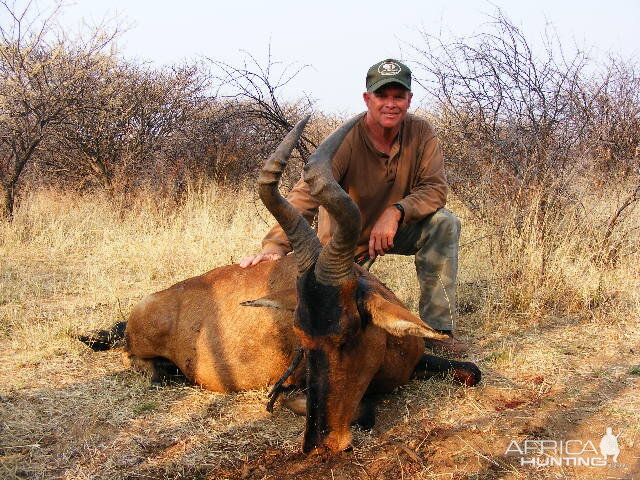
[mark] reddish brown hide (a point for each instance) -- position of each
(200, 325)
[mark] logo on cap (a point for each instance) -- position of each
(389, 68)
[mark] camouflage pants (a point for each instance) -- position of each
(434, 242)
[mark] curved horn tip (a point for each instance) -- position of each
(303, 122)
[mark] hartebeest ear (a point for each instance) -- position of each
(398, 320)
(283, 299)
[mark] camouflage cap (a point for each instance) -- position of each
(388, 71)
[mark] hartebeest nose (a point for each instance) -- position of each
(339, 441)
(327, 449)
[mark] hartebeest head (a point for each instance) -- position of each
(341, 321)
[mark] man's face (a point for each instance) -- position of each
(388, 106)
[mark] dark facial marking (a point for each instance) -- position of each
(319, 307)
(318, 389)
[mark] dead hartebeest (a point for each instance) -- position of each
(234, 329)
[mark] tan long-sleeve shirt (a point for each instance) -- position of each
(412, 175)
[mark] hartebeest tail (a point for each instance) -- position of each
(101, 340)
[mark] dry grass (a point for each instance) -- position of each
(558, 341)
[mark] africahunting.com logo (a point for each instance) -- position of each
(567, 453)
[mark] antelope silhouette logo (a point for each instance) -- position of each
(609, 445)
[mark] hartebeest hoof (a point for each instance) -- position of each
(469, 374)
(466, 373)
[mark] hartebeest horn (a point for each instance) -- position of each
(335, 263)
(303, 239)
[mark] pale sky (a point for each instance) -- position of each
(341, 39)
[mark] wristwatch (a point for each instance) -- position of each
(401, 209)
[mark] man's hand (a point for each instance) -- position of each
(383, 231)
(261, 257)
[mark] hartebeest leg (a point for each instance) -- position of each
(278, 388)
(366, 416)
(295, 400)
(159, 369)
(464, 372)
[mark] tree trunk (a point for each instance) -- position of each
(6, 200)
(8, 184)
(100, 172)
